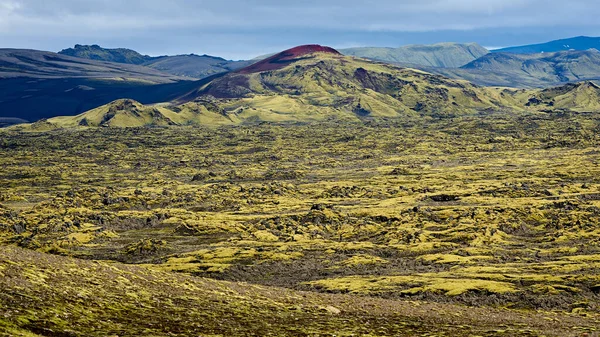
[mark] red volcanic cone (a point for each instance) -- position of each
(286, 57)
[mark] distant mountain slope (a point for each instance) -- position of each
(43, 64)
(445, 55)
(38, 84)
(529, 70)
(8, 121)
(194, 66)
(575, 43)
(95, 52)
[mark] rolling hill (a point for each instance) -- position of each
(574, 43)
(558, 67)
(194, 66)
(444, 55)
(303, 84)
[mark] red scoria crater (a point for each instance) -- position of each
(286, 57)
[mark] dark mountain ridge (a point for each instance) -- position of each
(573, 43)
(95, 52)
(190, 65)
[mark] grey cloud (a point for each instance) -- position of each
(243, 21)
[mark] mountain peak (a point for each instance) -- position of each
(309, 49)
(286, 57)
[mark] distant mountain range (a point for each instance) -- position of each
(38, 84)
(443, 55)
(574, 43)
(315, 83)
(193, 66)
(42, 64)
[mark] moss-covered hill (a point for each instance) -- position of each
(321, 85)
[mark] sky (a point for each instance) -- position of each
(243, 29)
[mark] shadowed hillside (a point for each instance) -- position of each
(37, 84)
(47, 98)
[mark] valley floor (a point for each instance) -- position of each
(474, 225)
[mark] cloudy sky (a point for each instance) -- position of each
(241, 29)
